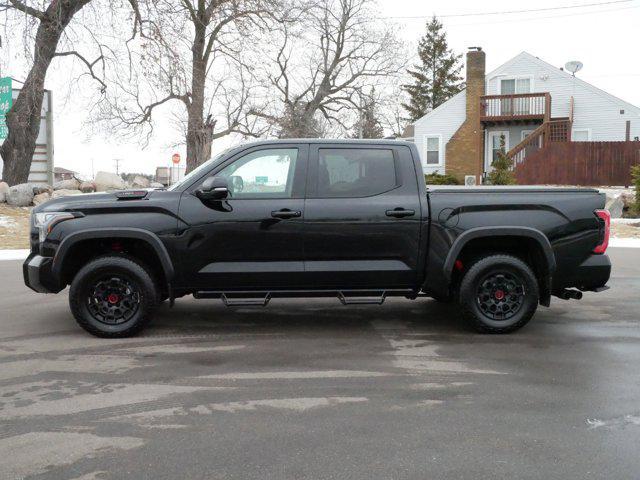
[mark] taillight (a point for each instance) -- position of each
(605, 216)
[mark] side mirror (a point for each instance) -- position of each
(213, 188)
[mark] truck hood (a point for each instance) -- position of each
(93, 201)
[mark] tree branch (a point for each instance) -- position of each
(89, 65)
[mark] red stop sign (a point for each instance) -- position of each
(175, 158)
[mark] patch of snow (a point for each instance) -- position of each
(7, 222)
(14, 254)
(626, 221)
(624, 243)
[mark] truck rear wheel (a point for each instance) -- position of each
(499, 294)
(113, 296)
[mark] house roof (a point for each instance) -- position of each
(440, 107)
(556, 70)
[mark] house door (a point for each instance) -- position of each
(493, 147)
(515, 106)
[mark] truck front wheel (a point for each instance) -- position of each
(499, 294)
(113, 296)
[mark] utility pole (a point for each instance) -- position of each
(360, 115)
(116, 162)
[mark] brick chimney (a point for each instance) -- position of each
(464, 151)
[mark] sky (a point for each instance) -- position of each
(603, 37)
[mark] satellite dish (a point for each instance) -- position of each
(574, 66)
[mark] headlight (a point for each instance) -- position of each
(45, 221)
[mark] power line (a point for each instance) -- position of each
(506, 12)
(548, 17)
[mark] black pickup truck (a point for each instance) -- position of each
(308, 218)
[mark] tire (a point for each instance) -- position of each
(113, 297)
(499, 294)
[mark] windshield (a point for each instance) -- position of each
(195, 173)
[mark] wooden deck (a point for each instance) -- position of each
(515, 108)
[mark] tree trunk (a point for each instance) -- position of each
(199, 130)
(23, 120)
(199, 138)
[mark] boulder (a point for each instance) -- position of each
(70, 184)
(21, 195)
(615, 205)
(629, 199)
(41, 198)
(65, 193)
(87, 187)
(140, 182)
(106, 181)
(156, 185)
(38, 189)
(4, 189)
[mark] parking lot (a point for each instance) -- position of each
(313, 389)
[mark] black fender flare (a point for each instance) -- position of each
(487, 232)
(111, 232)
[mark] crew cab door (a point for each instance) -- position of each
(362, 217)
(252, 238)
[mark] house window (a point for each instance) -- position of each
(525, 133)
(510, 86)
(433, 149)
(581, 135)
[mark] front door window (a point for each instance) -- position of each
(262, 174)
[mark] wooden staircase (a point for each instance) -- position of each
(550, 131)
(555, 130)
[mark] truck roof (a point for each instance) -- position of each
(345, 141)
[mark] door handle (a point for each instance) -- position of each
(400, 212)
(286, 213)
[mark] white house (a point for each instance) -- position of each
(524, 96)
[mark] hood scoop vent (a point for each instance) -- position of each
(131, 194)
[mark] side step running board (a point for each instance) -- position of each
(369, 300)
(346, 297)
(246, 302)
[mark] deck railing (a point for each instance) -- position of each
(553, 131)
(518, 106)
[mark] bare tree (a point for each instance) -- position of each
(319, 69)
(23, 120)
(193, 55)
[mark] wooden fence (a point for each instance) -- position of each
(580, 163)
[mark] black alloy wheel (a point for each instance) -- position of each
(113, 300)
(498, 293)
(113, 296)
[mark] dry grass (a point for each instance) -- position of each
(14, 227)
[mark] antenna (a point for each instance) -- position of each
(573, 66)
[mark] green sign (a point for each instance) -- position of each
(6, 101)
(262, 180)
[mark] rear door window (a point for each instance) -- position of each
(355, 172)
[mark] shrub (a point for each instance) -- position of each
(437, 179)
(502, 173)
(635, 175)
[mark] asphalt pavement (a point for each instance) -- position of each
(311, 389)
